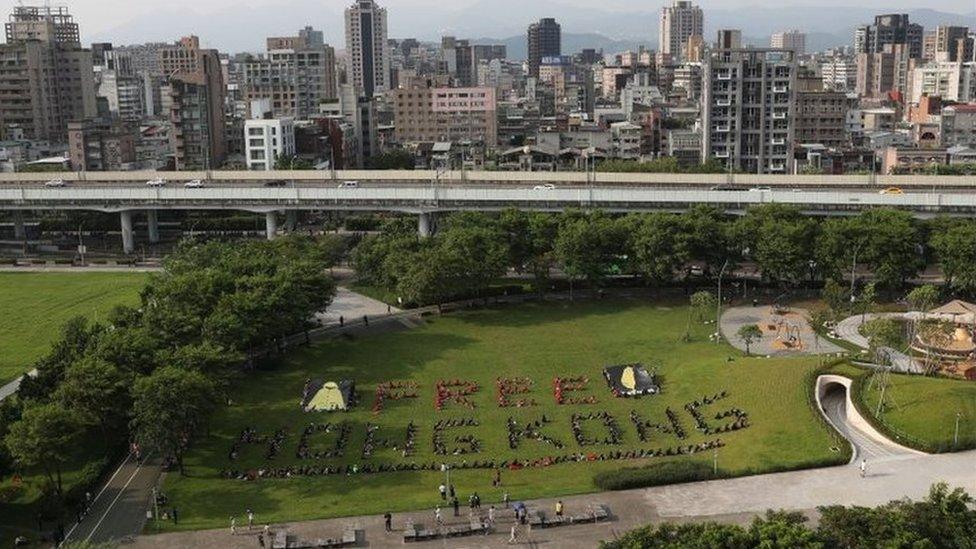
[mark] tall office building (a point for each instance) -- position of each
(195, 96)
(888, 29)
(790, 40)
(879, 74)
(545, 40)
(748, 109)
(679, 22)
(295, 76)
(46, 77)
(367, 51)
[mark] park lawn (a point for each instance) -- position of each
(919, 411)
(538, 341)
(36, 305)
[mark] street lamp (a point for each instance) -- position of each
(718, 306)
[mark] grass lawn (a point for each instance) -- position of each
(35, 305)
(537, 341)
(919, 411)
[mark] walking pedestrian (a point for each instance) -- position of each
(250, 519)
(388, 522)
(261, 540)
(864, 467)
(233, 526)
(559, 508)
(477, 501)
(342, 321)
(267, 533)
(450, 489)
(176, 516)
(505, 499)
(366, 320)
(443, 491)
(457, 507)
(438, 519)
(513, 537)
(491, 516)
(471, 501)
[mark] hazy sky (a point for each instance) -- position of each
(97, 16)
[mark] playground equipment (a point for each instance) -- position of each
(788, 333)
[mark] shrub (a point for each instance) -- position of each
(657, 474)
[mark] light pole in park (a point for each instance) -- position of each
(715, 462)
(718, 306)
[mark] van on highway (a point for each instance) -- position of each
(55, 183)
(349, 185)
(275, 183)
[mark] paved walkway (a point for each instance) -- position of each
(849, 330)
(352, 306)
(735, 500)
(11, 388)
(868, 443)
(734, 318)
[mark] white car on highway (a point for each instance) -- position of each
(349, 185)
(55, 183)
(194, 184)
(158, 182)
(546, 187)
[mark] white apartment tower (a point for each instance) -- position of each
(367, 52)
(679, 22)
(748, 109)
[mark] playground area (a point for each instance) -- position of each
(785, 331)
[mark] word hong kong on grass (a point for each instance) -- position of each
(457, 431)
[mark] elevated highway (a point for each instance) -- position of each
(426, 193)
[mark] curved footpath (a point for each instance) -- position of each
(849, 330)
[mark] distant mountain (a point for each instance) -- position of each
(591, 26)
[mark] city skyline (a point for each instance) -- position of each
(121, 22)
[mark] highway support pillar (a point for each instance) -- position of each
(291, 220)
(128, 236)
(271, 224)
(152, 221)
(425, 225)
(20, 233)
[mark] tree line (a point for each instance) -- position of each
(944, 519)
(472, 250)
(152, 374)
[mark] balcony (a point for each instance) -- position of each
(778, 141)
(779, 115)
(721, 129)
(721, 154)
(723, 76)
(781, 89)
(723, 102)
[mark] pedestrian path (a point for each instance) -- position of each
(849, 330)
(733, 500)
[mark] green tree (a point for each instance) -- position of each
(836, 296)
(887, 241)
(781, 241)
(882, 333)
(44, 437)
(783, 530)
(952, 240)
(96, 391)
(656, 247)
(293, 162)
(398, 159)
(749, 334)
(587, 246)
(170, 406)
(702, 304)
(923, 298)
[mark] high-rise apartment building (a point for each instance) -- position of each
(821, 114)
(952, 81)
(195, 98)
(295, 76)
(889, 29)
(266, 138)
(728, 39)
(367, 51)
(425, 112)
(889, 71)
(748, 109)
(947, 43)
(679, 22)
(790, 40)
(544, 40)
(46, 77)
(839, 73)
